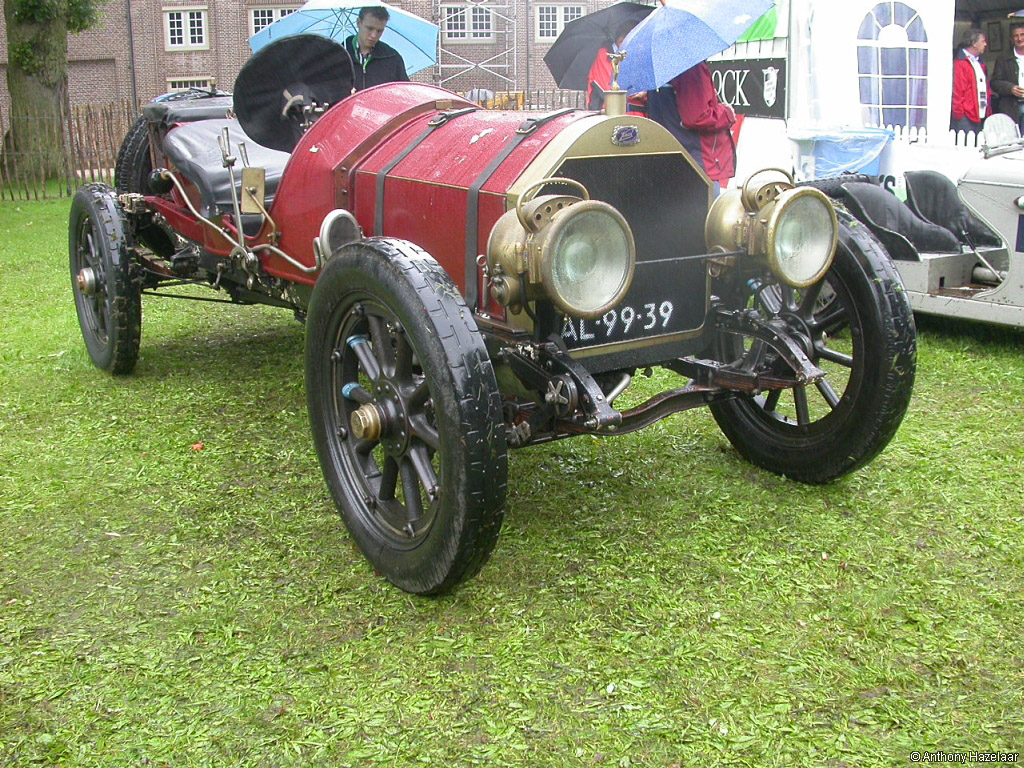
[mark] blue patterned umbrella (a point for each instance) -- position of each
(681, 34)
(413, 37)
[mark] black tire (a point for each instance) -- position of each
(388, 334)
(823, 431)
(131, 172)
(131, 175)
(108, 298)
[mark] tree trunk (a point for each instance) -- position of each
(37, 80)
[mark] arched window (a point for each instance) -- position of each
(892, 64)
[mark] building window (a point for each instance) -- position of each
(467, 23)
(551, 20)
(186, 29)
(183, 84)
(892, 66)
(264, 17)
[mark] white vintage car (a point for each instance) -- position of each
(959, 248)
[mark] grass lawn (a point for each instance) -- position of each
(653, 600)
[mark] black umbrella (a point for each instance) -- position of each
(570, 57)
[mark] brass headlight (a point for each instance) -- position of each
(579, 253)
(794, 228)
(800, 236)
(587, 258)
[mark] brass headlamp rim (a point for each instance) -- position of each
(520, 260)
(776, 208)
(541, 244)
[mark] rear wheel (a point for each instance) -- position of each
(863, 337)
(405, 414)
(133, 162)
(107, 297)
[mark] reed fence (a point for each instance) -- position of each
(88, 136)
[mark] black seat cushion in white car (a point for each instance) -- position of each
(900, 229)
(933, 197)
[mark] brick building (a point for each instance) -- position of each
(142, 48)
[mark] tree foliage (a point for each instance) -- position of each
(37, 73)
(78, 14)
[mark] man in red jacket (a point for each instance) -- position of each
(689, 108)
(972, 96)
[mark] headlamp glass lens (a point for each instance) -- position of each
(803, 239)
(591, 260)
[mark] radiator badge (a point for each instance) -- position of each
(625, 135)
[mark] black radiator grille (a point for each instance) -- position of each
(665, 202)
(662, 197)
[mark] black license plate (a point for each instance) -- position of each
(667, 296)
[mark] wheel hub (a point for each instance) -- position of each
(800, 332)
(384, 419)
(367, 422)
(86, 281)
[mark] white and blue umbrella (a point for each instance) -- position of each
(413, 37)
(681, 34)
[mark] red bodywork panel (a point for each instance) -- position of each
(426, 195)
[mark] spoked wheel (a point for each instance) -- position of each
(863, 337)
(405, 414)
(107, 297)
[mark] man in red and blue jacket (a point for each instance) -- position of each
(972, 95)
(689, 108)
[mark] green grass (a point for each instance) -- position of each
(653, 600)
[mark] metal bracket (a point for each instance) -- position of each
(774, 334)
(550, 370)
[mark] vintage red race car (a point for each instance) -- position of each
(473, 281)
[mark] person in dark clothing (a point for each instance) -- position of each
(689, 108)
(373, 62)
(1008, 77)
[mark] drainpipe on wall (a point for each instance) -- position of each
(131, 54)
(526, 97)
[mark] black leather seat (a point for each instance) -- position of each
(194, 150)
(901, 231)
(187, 110)
(933, 197)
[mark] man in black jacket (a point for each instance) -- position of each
(1006, 77)
(373, 62)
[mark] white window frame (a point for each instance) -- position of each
(475, 23)
(186, 16)
(561, 13)
(912, 111)
(184, 83)
(276, 13)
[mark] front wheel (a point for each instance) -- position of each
(863, 338)
(405, 414)
(108, 298)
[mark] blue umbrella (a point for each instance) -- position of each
(681, 34)
(413, 37)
